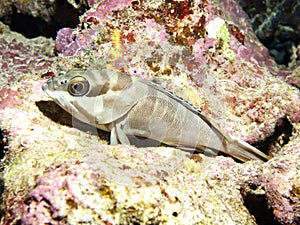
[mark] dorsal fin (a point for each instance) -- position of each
(171, 94)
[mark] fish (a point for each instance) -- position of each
(135, 109)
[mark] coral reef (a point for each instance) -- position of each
(58, 170)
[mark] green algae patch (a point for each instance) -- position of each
(224, 35)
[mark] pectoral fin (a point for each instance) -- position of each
(113, 137)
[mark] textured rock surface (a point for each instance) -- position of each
(59, 174)
(42, 9)
(40, 18)
(276, 25)
(21, 56)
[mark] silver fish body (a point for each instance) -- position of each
(129, 106)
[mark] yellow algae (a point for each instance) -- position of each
(224, 35)
(217, 29)
(116, 50)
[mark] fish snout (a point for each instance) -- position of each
(45, 86)
(48, 88)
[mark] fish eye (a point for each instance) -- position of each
(78, 86)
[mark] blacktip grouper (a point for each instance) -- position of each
(129, 106)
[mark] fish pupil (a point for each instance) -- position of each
(78, 87)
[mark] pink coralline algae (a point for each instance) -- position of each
(280, 179)
(66, 44)
(54, 190)
(106, 8)
(64, 38)
(9, 98)
(21, 55)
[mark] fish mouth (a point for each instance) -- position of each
(45, 87)
(58, 98)
(47, 90)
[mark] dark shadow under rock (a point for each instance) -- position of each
(3, 143)
(51, 110)
(257, 206)
(282, 133)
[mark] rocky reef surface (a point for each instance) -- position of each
(276, 24)
(40, 18)
(57, 170)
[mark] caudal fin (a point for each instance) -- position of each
(243, 151)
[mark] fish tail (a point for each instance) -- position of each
(243, 151)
